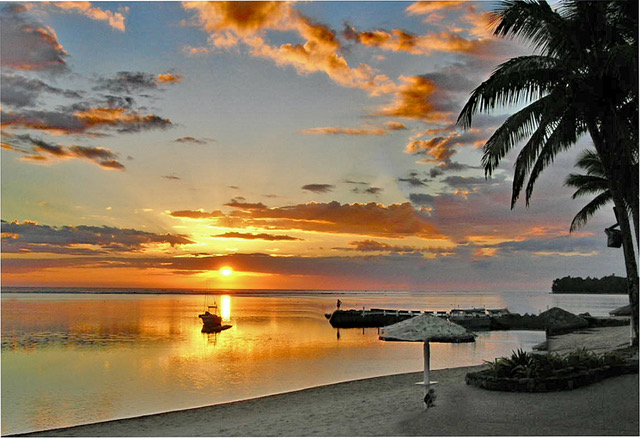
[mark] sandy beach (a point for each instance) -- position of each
(392, 406)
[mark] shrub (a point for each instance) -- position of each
(527, 365)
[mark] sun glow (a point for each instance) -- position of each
(226, 271)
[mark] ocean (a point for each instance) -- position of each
(76, 356)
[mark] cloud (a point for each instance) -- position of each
(319, 188)
(429, 7)
(398, 40)
(193, 140)
(30, 237)
(232, 23)
(374, 246)
(38, 150)
(368, 190)
(19, 91)
(85, 120)
(343, 131)
(330, 130)
(196, 214)
(413, 180)
(129, 82)
(396, 220)
(114, 19)
(29, 45)
(395, 126)
(260, 236)
(239, 204)
(417, 98)
(171, 177)
(469, 182)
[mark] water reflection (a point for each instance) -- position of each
(225, 307)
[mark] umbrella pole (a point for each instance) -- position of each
(427, 354)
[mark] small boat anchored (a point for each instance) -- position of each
(212, 322)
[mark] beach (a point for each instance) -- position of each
(392, 406)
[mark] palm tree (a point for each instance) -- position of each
(582, 80)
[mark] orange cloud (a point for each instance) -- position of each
(168, 78)
(343, 131)
(396, 220)
(414, 100)
(334, 130)
(428, 7)
(115, 19)
(232, 23)
(400, 41)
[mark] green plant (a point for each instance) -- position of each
(522, 364)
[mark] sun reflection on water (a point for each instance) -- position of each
(225, 307)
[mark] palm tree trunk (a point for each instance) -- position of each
(615, 169)
(630, 264)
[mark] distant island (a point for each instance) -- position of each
(578, 285)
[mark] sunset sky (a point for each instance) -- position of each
(303, 145)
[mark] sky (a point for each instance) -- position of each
(303, 145)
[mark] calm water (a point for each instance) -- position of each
(69, 359)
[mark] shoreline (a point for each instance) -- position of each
(392, 406)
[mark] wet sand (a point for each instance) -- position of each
(392, 406)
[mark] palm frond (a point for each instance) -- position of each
(566, 134)
(531, 21)
(524, 78)
(583, 216)
(513, 130)
(591, 163)
(586, 184)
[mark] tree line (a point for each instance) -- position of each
(577, 285)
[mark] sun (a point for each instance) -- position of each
(226, 271)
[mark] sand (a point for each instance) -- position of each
(392, 406)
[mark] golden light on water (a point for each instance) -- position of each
(225, 307)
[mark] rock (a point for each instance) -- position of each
(621, 311)
(557, 320)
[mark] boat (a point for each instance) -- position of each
(212, 322)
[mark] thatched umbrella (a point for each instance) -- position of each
(426, 328)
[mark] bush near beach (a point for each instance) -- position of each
(528, 372)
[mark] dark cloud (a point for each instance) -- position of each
(241, 205)
(19, 91)
(422, 199)
(447, 167)
(27, 44)
(193, 140)
(130, 82)
(36, 149)
(414, 180)
(319, 188)
(191, 214)
(375, 246)
(30, 237)
(468, 182)
(112, 101)
(259, 236)
(89, 121)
